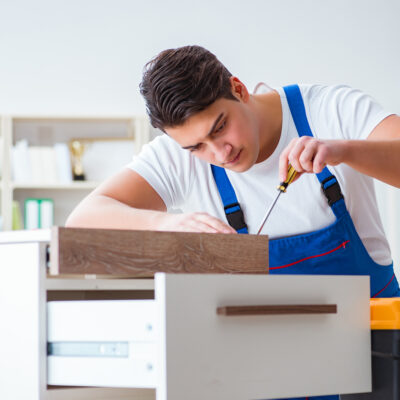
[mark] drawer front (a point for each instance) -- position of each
(262, 356)
(180, 344)
(101, 343)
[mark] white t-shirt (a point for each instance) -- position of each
(334, 112)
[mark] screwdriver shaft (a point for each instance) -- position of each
(281, 188)
(268, 212)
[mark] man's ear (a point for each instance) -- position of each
(239, 89)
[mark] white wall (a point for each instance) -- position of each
(86, 56)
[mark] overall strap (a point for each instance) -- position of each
(329, 184)
(233, 212)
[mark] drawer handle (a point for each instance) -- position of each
(278, 309)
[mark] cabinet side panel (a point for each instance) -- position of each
(22, 310)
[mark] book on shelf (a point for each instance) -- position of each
(39, 213)
(41, 164)
(63, 163)
(20, 162)
(16, 216)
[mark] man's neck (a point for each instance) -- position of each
(269, 112)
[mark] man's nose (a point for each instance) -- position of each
(221, 151)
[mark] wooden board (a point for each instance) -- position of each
(126, 253)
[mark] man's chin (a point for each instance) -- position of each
(242, 167)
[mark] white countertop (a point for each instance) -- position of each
(34, 235)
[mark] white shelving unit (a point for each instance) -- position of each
(45, 131)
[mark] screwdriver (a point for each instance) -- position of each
(281, 189)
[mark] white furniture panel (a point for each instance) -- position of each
(101, 343)
(23, 315)
(257, 357)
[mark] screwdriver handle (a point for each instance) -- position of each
(291, 174)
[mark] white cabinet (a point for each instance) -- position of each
(24, 289)
(41, 132)
(177, 345)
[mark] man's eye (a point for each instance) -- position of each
(221, 127)
(195, 148)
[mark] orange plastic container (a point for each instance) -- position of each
(385, 313)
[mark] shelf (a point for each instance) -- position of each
(56, 186)
(47, 130)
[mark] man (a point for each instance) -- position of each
(225, 150)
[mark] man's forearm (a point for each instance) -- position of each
(379, 159)
(98, 211)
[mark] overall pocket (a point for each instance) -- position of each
(314, 259)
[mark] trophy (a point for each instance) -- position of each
(77, 149)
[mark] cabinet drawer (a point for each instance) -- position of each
(185, 341)
(214, 356)
(101, 343)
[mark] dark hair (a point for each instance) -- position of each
(180, 82)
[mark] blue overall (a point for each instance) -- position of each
(334, 250)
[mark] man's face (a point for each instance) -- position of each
(225, 134)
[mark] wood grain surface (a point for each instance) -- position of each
(142, 253)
